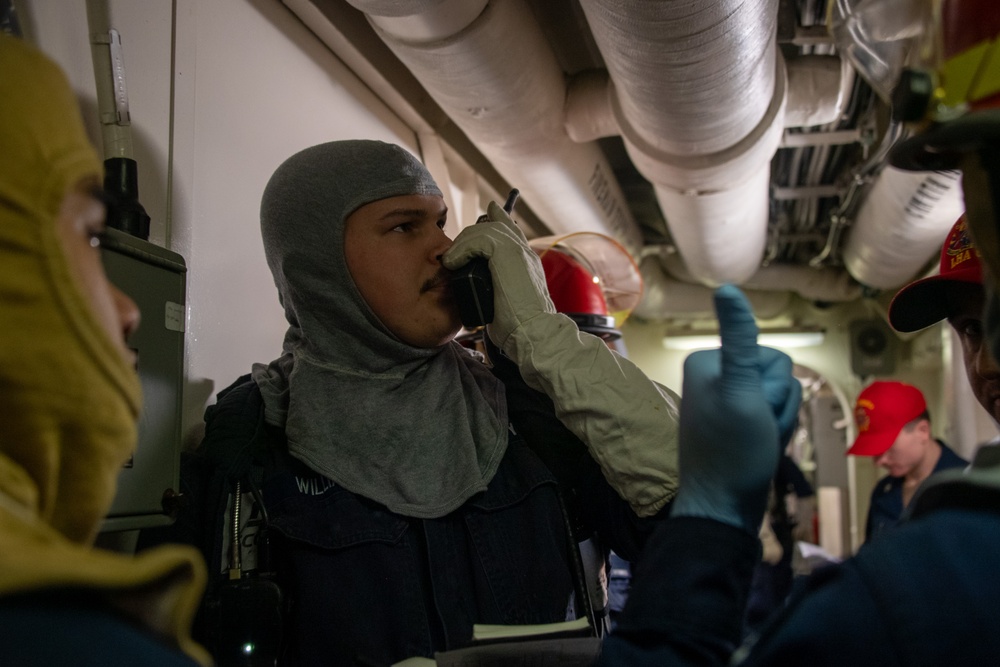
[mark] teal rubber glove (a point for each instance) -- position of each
(736, 403)
(519, 289)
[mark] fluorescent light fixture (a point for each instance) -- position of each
(780, 338)
(788, 340)
(688, 342)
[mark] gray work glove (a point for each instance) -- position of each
(628, 422)
(518, 279)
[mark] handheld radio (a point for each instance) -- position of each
(472, 284)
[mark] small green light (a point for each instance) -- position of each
(248, 648)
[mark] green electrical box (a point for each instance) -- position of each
(155, 278)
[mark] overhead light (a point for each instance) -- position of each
(687, 342)
(785, 338)
(791, 339)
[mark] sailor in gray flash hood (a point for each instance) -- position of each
(419, 430)
(402, 508)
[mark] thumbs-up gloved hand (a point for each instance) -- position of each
(738, 403)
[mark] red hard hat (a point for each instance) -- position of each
(578, 293)
(573, 288)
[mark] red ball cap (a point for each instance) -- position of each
(882, 410)
(925, 302)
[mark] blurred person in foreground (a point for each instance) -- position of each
(955, 294)
(926, 594)
(69, 400)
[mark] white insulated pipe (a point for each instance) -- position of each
(720, 234)
(668, 298)
(818, 88)
(589, 115)
(817, 97)
(488, 65)
(699, 98)
(901, 225)
(814, 284)
(694, 77)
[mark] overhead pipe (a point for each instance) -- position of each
(901, 225)
(860, 177)
(699, 98)
(589, 115)
(813, 284)
(489, 66)
(818, 89)
(827, 285)
(676, 66)
(666, 297)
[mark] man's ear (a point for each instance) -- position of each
(924, 427)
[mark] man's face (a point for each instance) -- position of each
(393, 249)
(967, 301)
(907, 451)
(79, 226)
